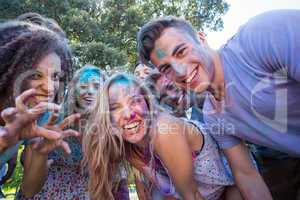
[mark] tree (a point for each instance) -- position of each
(103, 32)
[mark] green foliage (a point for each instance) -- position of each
(90, 52)
(102, 32)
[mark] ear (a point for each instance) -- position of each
(202, 37)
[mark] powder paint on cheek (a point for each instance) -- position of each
(160, 54)
(87, 76)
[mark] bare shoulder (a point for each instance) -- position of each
(172, 130)
(169, 134)
(168, 124)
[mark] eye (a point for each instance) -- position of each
(96, 85)
(36, 76)
(137, 74)
(114, 107)
(170, 87)
(165, 69)
(83, 87)
(181, 53)
(136, 100)
(56, 77)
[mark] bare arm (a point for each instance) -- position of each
(36, 165)
(173, 148)
(247, 178)
(35, 173)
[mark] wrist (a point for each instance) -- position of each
(7, 138)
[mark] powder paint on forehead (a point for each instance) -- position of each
(91, 80)
(88, 75)
(125, 85)
(160, 54)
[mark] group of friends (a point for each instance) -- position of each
(181, 124)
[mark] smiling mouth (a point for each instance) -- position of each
(191, 76)
(180, 98)
(44, 97)
(131, 126)
(89, 99)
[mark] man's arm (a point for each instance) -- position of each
(247, 178)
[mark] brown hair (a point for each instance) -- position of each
(22, 46)
(40, 20)
(152, 30)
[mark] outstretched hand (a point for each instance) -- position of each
(21, 121)
(45, 145)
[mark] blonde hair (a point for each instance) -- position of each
(69, 105)
(103, 145)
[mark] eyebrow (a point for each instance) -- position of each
(162, 66)
(113, 103)
(177, 48)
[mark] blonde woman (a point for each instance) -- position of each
(175, 155)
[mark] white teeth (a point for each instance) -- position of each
(89, 98)
(191, 77)
(132, 125)
(180, 99)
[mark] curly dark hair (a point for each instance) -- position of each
(36, 18)
(22, 46)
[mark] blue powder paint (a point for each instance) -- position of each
(86, 75)
(160, 54)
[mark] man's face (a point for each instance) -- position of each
(183, 59)
(171, 95)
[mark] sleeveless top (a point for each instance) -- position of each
(210, 171)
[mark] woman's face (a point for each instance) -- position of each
(128, 110)
(142, 71)
(46, 79)
(86, 89)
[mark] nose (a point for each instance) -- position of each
(90, 90)
(128, 113)
(179, 69)
(48, 85)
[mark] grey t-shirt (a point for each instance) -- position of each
(262, 76)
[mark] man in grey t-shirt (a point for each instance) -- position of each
(253, 83)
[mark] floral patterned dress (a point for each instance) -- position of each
(65, 179)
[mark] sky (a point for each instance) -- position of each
(240, 11)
